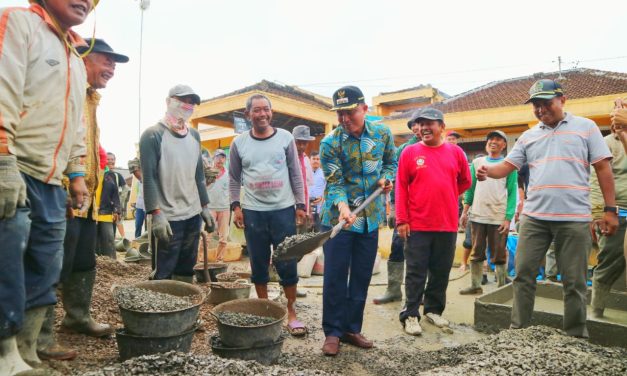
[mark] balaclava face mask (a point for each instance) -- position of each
(177, 115)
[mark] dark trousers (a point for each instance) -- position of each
(140, 217)
(572, 244)
(105, 239)
(178, 256)
(484, 235)
(348, 261)
(79, 247)
(429, 253)
(32, 254)
(397, 253)
(264, 229)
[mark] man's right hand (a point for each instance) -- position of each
(482, 173)
(12, 187)
(161, 227)
(403, 230)
(463, 220)
(345, 215)
(238, 217)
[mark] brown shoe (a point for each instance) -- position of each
(56, 352)
(331, 346)
(357, 339)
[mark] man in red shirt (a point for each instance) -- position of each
(431, 175)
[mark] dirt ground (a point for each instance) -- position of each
(393, 349)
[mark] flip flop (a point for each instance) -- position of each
(297, 328)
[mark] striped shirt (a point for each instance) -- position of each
(559, 167)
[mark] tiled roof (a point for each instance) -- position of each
(427, 86)
(577, 83)
(283, 90)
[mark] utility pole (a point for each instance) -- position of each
(143, 5)
(559, 67)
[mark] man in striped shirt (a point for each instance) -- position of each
(559, 151)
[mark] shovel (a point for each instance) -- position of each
(205, 269)
(300, 249)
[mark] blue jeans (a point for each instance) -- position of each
(427, 253)
(348, 262)
(140, 216)
(31, 261)
(262, 230)
(178, 256)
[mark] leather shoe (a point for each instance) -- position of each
(357, 339)
(331, 346)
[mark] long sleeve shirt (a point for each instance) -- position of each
(494, 200)
(429, 181)
(42, 92)
(172, 172)
(268, 169)
(353, 166)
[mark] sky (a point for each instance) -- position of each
(218, 46)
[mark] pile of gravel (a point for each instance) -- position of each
(179, 364)
(243, 319)
(144, 300)
(291, 241)
(531, 351)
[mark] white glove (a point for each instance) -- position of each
(12, 187)
(161, 227)
(210, 225)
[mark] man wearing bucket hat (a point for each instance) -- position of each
(396, 261)
(303, 138)
(431, 175)
(492, 205)
(559, 151)
(175, 193)
(38, 143)
(357, 158)
(79, 256)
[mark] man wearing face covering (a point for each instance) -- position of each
(174, 187)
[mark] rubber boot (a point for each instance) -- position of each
(395, 278)
(77, 293)
(183, 278)
(600, 293)
(501, 275)
(11, 361)
(27, 337)
(47, 346)
(476, 274)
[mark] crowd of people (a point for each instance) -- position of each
(61, 203)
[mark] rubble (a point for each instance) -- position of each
(178, 364)
(144, 300)
(243, 319)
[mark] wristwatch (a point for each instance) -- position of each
(611, 209)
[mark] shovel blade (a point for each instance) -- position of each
(299, 250)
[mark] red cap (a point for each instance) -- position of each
(453, 133)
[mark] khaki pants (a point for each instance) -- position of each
(572, 242)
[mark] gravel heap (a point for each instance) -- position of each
(228, 285)
(291, 241)
(144, 300)
(228, 277)
(178, 364)
(532, 351)
(243, 319)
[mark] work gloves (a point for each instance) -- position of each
(392, 216)
(12, 187)
(160, 227)
(210, 225)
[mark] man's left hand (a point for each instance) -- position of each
(386, 185)
(300, 216)
(504, 227)
(210, 225)
(609, 224)
(78, 192)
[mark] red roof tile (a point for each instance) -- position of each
(577, 83)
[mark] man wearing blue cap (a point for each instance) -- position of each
(559, 151)
(79, 258)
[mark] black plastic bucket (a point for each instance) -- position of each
(130, 346)
(265, 354)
